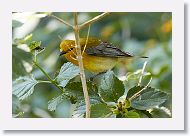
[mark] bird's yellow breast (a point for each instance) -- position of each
(94, 64)
(98, 64)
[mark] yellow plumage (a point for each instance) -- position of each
(98, 56)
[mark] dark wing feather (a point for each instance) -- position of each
(104, 49)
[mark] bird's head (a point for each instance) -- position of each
(69, 45)
(66, 46)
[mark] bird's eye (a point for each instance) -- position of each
(71, 48)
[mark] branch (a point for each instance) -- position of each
(142, 73)
(93, 20)
(81, 67)
(138, 93)
(140, 80)
(61, 20)
(86, 40)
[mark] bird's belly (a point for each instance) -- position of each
(99, 64)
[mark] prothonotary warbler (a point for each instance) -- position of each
(98, 56)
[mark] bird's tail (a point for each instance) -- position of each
(127, 59)
(134, 56)
(127, 54)
(142, 57)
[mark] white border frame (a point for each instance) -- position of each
(174, 123)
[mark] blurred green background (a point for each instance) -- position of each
(144, 33)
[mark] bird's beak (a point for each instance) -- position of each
(62, 53)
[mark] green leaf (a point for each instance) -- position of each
(132, 114)
(19, 57)
(100, 110)
(52, 104)
(149, 98)
(24, 87)
(143, 113)
(111, 88)
(36, 45)
(160, 113)
(75, 89)
(16, 23)
(134, 90)
(67, 72)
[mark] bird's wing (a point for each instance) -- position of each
(104, 49)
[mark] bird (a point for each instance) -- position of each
(98, 56)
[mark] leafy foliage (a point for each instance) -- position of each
(35, 45)
(160, 113)
(134, 90)
(24, 87)
(68, 71)
(148, 98)
(132, 114)
(75, 89)
(111, 88)
(19, 57)
(100, 110)
(52, 104)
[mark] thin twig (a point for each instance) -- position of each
(81, 67)
(61, 20)
(86, 40)
(138, 93)
(142, 73)
(93, 20)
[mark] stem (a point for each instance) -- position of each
(81, 67)
(142, 73)
(35, 56)
(61, 20)
(138, 93)
(50, 79)
(41, 81)
(86, 40)
(93, 20)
